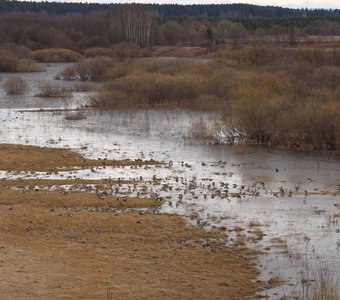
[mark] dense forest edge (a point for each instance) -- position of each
(235, 10)
(275, 80)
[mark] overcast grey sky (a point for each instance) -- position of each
(285, 3)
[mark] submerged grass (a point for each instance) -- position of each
(326, 286)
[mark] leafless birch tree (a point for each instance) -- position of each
(136, 23)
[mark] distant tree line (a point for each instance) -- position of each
(171, 10)
(80, 26)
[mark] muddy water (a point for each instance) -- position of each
(292, 197)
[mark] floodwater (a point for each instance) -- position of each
(291, 198)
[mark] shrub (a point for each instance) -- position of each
(28, 65)
(110, 100)
(125, 51)
(69, 73)
(16, 86)
(8, 62)
(159, 88)
(56, 55)
(95, 68)
(257, 110)
(200, 129)
(321, 123)
(207, 102)
(52, 90)
(99, 51)
(197, 85)
(18, 51)
(273, 57)
(119, 70)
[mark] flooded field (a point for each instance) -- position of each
(285, 204)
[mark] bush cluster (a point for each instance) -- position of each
(293, 101)
(55, 55)
(16, 85)
(10, 62)
(53, 90)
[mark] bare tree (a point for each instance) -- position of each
(136, 23)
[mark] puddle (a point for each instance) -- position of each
(291, 197)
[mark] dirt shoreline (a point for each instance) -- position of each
(53, 245)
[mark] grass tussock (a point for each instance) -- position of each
(55, 55)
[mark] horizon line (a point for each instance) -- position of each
(181, 4)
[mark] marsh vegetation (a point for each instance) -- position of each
(233, 189)
(279, 96)
(169, 115)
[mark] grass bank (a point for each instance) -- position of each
(74, 244)
(15, 158)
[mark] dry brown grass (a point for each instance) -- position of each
(178, 51)
(127, 51)
(59, 182)
(54, 246)
(326, 285)
(10, 62)
(15, 157)
(28, 65)
(53, 90)
(55, 55)
(73, 199)
(66, 254)
(99, 51)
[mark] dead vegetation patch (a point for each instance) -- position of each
(59, 182)
(74, 199)
(87, 245)
(33, 158)
(47, 252)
